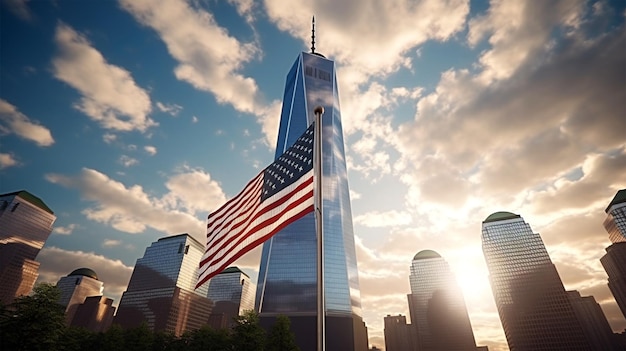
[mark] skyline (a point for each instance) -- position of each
(115, 114)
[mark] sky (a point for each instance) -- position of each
(133, 119)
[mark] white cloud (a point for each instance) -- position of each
(109, 137)
(111, 243)
(383, 219)
(110, 96)
(67, 230)
(127, 161)
(150, 150)
(172, 109)
(7, 160)
(14, 122)
(132, 210)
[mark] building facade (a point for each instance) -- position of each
(535, 311)
(437, 307)
(25, 224)
(161, 289)
(593, 321)
(76, 287)
(287, 273)
(399, 336)
(614, 261)
(232, 293)
(95, 314)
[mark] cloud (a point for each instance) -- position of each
(209, 58)
(383, 219)
(183, 191)
(152, 150)
(127, 161)
(130, 209)
(57, 263)
(19, 8)
(172, 109)
(111, 243)
(14, 122)
(110, 96)
(7, 160)
(67, 230)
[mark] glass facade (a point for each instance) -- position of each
(75, 288)
(25, 224)
(614, 261)
(288, 273)
(161, 288)
(437, 307)
(535, 311)
(232, 293)
(615, 222)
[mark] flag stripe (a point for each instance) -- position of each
(262, 218)
(267, 224)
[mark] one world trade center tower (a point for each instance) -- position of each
(288, 272)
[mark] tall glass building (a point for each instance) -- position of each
(535, 310)
(288, 274)
(161, 289)
(76, 287)
(25, 224)
(614, 261)
(437, 307)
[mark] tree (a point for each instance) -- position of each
(34, 322)
(281, 338)
(247, 333)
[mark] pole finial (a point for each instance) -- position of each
(313, 36)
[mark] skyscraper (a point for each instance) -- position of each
(25, 224)
(593, 321)
(232, 293)
(437, 307)
(534, 308)
(76, 287)
(161, 288)
(399, 336)
(614, 261)
(287, 274)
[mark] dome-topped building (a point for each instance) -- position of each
(426, 254)
(76, 287)
(87, 272)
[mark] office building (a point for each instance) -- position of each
(614, 261)
(95, 314)
(161, 289)
(288, 271)
(76, 287)
(437, 307)
(399, 336)
(535, 311)
(232, 293)
(593, 321)
(25, 224)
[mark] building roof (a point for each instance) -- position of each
(30, 198)
(233, 269)
(425, 254)
(87, 272)
(619, 198)
(500, 216)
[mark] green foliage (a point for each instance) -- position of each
(247, 333)
(37, 322)
(34, 322)
(281, 338)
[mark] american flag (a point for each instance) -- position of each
(277, 196)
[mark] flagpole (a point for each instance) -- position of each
(317, 142)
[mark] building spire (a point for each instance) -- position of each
(313, 37)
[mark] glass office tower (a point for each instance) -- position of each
(76, 287)
(25, 224)
(535, 311)
(287, 274)
(614, 261)
(437, 307)
(232, 293)
(161, 289)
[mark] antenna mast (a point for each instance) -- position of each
(313, 37)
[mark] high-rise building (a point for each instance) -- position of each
(535, 311)
(76, 287)
(437, 307)
(614, 261)
(25, 224)
(288, 274)
(232, 293)
(95, 314)
(593, 321)
(161, 289)
(399, 336)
